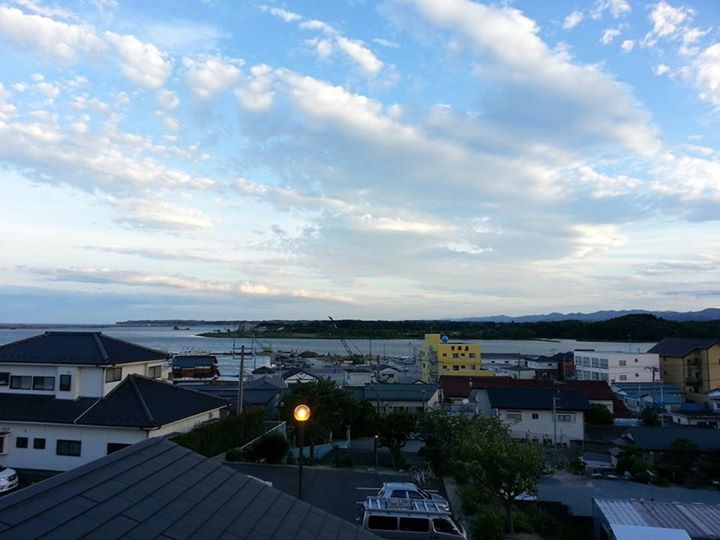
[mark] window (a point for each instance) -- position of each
(399, 494)
(456, 368)
(21, 442)
(68, 448)
(20, 382)
(569, 418)
(455, 355)
(382, 523)
(445, 526)
(43, 383)
(414, 524)
(623, 377)
(637, 375)
(636, 361)
(622, 363)
(473, 355)
(513, 416)
(113, 374)
(414, 495)
(4, 379)
(65, 383)
(535, 416)
(114, 447)
(39, 444)
(155, 372)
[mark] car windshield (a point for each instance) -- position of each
(424, 493)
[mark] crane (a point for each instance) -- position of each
(342, 339)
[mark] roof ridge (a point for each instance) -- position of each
(140, 397)
(101, 347)
(98, 400)
(166, 354)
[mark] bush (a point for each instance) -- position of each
(234, 455)
(490, 525)
(347, 461)
(541, 522)
(472, 499)
(272, 448)
(217, 437)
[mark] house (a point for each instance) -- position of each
(194, 368)
(263, 371)
(264, 392)
(656, 440)
(541, 414)
(515, 372)
(388, 374)
(67, 398)
(491, 360)
(622, 519)
(440, 356)
(591, 365)
(545, 367)
(692, 364)
(397, 396)
(693, 414)
(296, 375)
(356, 376)
(157, 489)
(49, 433)
(637, 396)
(457, 389)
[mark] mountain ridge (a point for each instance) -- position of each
(708, 314)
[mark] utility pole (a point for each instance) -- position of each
(241, 383)
(555, 400)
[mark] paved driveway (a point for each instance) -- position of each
(337, 491)
(578, 492)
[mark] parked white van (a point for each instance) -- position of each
(409, 520)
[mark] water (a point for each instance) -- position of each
(188, 341)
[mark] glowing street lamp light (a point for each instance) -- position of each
(301, 415)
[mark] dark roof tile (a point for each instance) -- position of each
(679, 347)
(537, 399)
(77, 348)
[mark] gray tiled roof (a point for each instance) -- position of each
(537, 399)
(137, 402)
(77, 348)
(157, 489)
(393, 391)
(662, 438)
(191, 361)
(678, 347)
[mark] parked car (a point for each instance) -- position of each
(407, 490)
(8, 479)
(409, 519)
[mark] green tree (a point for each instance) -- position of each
(679, 463)
(492, 461)
(395, 429)
(599, 415)
(441, 433)
(650, 417)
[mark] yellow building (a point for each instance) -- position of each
(442, 357)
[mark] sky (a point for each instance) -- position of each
(398, 159)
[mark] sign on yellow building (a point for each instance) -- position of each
(440, 356)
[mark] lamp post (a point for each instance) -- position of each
(302, 415)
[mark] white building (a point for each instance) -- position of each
(67, 398)
(540, 414)
(616, 366)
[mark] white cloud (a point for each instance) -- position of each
(58, 40)
(256, 93)
(609, 35)
(594, 239)
(284, 14)
(572, 20)
(45, 11)
(364, 57)
(154, 214)
(386, 43)
(314, 24)
(168, 100)
(212, 75)
(708, 74)
(667, 19)
(628, 45)
(661, 69)
(616, 8)
(141, 62)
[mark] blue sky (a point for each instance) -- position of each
(391, 159)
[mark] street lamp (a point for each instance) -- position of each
(302, 415)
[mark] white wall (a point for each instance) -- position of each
(542, 427)
(142, 368)
(94, 444)
(608, 366)
(184, 425)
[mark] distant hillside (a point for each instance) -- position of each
(709, 314)
(642, 327)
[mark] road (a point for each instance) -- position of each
(337, 491)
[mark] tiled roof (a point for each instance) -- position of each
(157, 489)
(187, 361)
(537, 399)
(77, 348)
(459, 386)
(137, 402)
(699, 520)
(679, 347)
(661, 438)
(394, 392)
